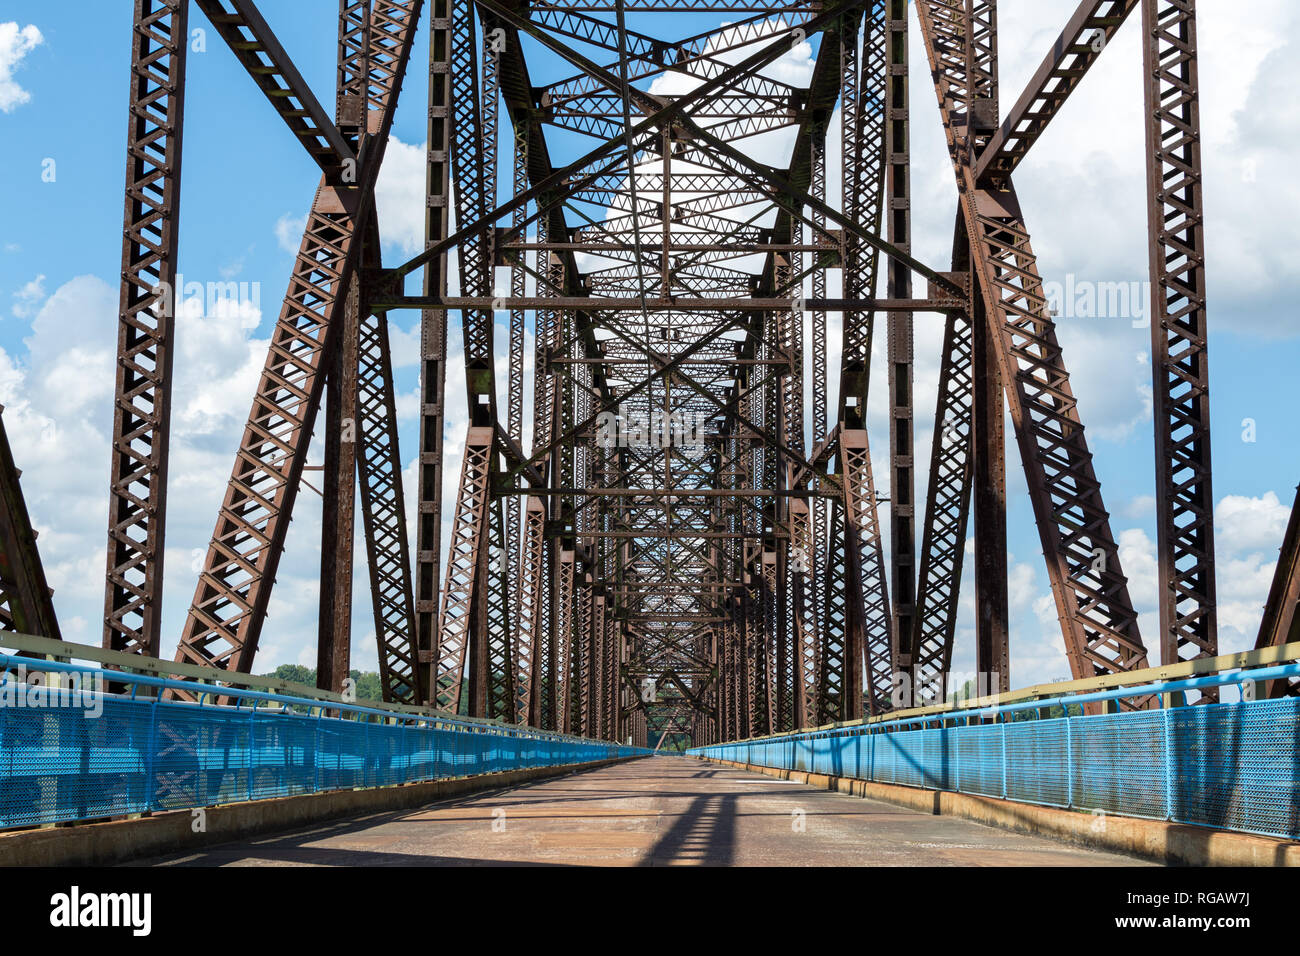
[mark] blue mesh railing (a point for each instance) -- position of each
(78, 753)
(1231, 766)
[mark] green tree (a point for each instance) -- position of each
(367, 683)
(295, 673)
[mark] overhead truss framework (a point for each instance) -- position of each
(665, 538)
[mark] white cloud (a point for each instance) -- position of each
(1249, 532)
(1083, 185)
(288, 232)
(71, 349)
(1137, 556)
(15, 44)
(399, 197)
(1141, 507)
(59, 406)
(404, 345)
(29, 297)
(1248, 535)
(1243, 525)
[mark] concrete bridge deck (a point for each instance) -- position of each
(655, 811)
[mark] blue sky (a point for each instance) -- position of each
(247, 184)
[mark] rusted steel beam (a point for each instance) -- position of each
(1179, 335)
(229, 607)
(598, 304)
(1098, 623)
(383, 512)
(1080, 44)
(25, 598)
(146, 330)
(1281, 622)
(259, 52)
(462, 627)
(947, 508)
(338, 511)
(898, 224)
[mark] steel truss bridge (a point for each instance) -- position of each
(664, 537)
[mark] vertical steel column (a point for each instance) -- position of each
(338, 508)
(862, 144)
(803, 571)
(796, 546)
(463, 590)
(473, 157)
(532, 623)
(755, 703)
(864, 112)
(992, 604)
(499, 655)
(898, 214)
(862, 531)
(770, 690)
(820, 369)
(433, 351)
(521, 625)
(338, 513)
(563, 608)
(146, 326)
(597, 725)
(992, 607)
(638, 728)
(835, 652)
(383, 513)
(1179, 335)
(351, 103)
(546, 702)
(948, 496)
(582, 655)
(497, 659)
(615, 681)
(744, 673)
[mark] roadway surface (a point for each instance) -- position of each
(657, 811)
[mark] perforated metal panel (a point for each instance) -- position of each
(1119, 763)
(1038, 762)
(126, 755)
(978, 761)
(909, 758)
(1231, 766)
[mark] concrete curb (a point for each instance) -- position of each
(1171, 843)
(117, 841)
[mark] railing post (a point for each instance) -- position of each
(252, 712)
(1004, 756)
(151, 754)
(286, 752)
(316, 753)
(367, 750)
(1169, 777)
(407, 749)
(4, 721)
(1069, 760)
(956, 753)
